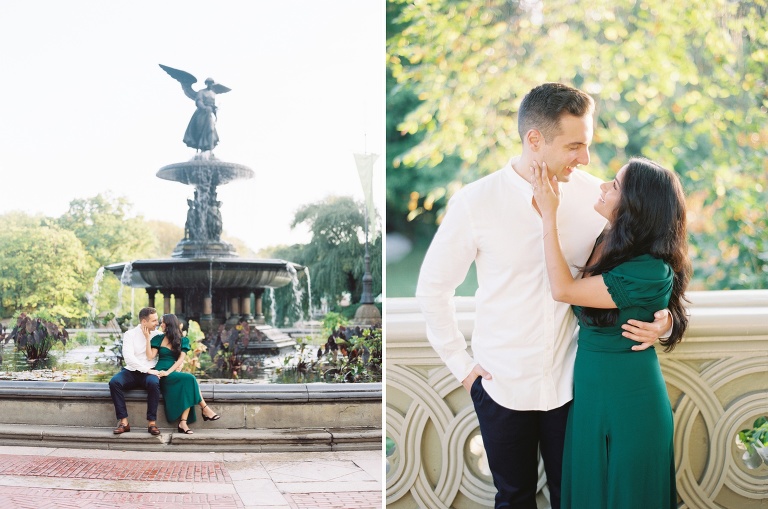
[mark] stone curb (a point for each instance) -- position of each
(207, 440)
(247, 393)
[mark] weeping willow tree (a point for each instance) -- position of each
(334, 256)
(683, 83)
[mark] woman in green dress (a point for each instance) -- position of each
(619, 438)
(180, 390)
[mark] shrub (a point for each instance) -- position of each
(36, 337)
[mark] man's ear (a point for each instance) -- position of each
(534, 139)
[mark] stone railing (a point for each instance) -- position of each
(717, 380)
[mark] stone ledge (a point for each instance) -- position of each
(231, 393)
(203, 440)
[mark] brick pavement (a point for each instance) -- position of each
(23, 497)
(67, 478)
(111, 470)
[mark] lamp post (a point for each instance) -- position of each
(367, 313)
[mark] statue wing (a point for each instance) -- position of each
(220, 89)
(182, 77)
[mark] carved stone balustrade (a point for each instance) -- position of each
(717, 380)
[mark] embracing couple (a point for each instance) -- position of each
(555, 248)
(153, 360)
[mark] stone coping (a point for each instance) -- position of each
(247, 393)
(208, 440)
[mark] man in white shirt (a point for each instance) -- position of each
(524, 347)
(138, 372)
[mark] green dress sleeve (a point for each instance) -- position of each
(185, 345)
(644, 281)
(156, 341)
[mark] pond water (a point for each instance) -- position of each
(92, 356)
(96, 363)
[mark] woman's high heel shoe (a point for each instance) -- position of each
(215, 417)
(182, 430)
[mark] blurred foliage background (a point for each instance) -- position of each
(683, 83)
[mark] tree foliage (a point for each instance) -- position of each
(166, 235)
(105, 227)
(406, 184)
(335, 256)
(50, 263)
(42, 268)
(683, 83)
(111, 233)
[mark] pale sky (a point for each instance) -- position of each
(88, 110)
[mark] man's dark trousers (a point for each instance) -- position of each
(127, 380)
(512, 439)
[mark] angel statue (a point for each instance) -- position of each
(201, 132)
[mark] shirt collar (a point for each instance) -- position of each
(522, 185)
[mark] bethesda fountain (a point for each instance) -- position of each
(208, 281)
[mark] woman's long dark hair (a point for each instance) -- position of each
(173, 333)
(649, 219)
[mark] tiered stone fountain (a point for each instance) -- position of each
(208, 282)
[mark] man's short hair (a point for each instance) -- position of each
(145, 312)
(545, 104)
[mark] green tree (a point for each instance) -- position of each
(335, 256)
(166, 234)
(109, 234)
(241, 248)
(415, 194)
(682, 83)
(58, 275)
(42, 268)
(105, 227)
(18, 219)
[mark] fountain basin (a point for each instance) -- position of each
(214, 292)
(205, 172)
(205, 273)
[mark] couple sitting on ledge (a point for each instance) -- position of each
(153, 360)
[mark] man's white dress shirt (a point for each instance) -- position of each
(135, 350)
(521, 336)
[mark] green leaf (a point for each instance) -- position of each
(391, 446)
